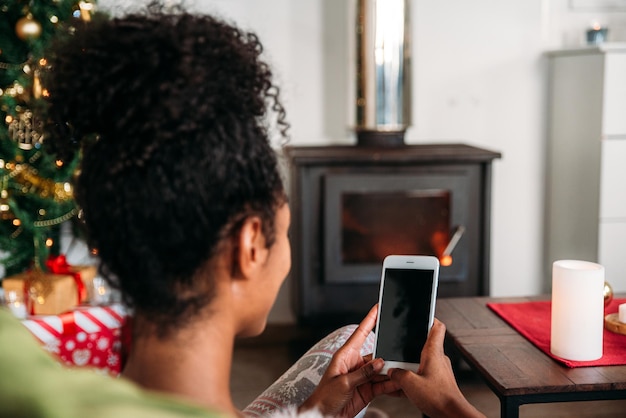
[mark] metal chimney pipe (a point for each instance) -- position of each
(383, 72)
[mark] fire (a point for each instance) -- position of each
(445, 260)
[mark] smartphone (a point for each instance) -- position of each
(406, 309)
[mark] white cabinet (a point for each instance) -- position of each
(586, 155)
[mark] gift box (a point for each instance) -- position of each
(45, 294)
(83, 275)
(85, 337)
(57, 291)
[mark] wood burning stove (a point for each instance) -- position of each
(352, 206)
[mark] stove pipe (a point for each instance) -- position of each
(383, 72)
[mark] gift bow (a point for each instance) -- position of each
(59, 265)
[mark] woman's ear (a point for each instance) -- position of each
(252, 251)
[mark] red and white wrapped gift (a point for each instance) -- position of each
(87, 336)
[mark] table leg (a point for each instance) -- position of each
(509, 407)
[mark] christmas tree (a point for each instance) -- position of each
(35, 191)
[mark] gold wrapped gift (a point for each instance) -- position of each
(52, 293)
(45, 293)
(87, 274)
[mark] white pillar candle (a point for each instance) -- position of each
(622, 313)
(577, 310)
(16, 303)
(18, 309)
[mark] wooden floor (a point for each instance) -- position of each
(257, 364)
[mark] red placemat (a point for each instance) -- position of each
(533, 321)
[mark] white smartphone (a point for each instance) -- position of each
(406, 309)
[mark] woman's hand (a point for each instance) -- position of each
(351, 381)
(434, 389)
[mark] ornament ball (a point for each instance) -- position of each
(27, 28)
(608, 293)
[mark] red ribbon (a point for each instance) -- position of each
(69, 323)
(58, 265)
(30, 306)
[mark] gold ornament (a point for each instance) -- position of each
(37, 89)
(23, 130)
(608, 294)
(27, 28)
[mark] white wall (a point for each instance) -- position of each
(478, 76)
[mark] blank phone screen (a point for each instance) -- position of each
(404, 314)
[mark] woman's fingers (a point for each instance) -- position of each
(435, 342)
(365, 373)
(433, 348)
(366, 326)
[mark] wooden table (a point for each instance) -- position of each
(517, 371)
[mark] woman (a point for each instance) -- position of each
(181, 196)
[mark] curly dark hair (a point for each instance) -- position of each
(171, 110)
